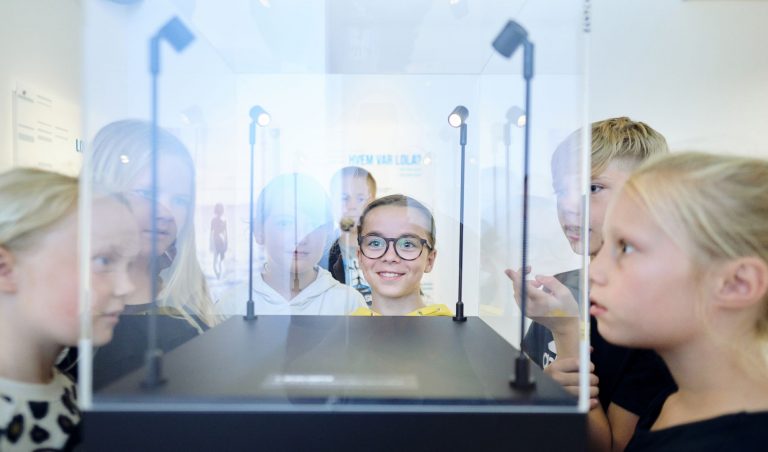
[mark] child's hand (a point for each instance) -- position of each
(566, 372)
(550, 303)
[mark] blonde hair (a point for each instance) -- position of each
(31, 201)
(615, 139)
(120, 153)
(714, 206)
(353, 172)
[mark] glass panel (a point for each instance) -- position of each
(297, 91)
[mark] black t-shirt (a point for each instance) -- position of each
(630, 378)
(742, 432)
(126, 351)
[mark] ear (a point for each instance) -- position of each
(7, 273)
(258, 233)
(430, 261)
(742, 282)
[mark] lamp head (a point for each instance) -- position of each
(260, 116)
(516, 116)
(176, 33)
(458, 116)
(509, 39)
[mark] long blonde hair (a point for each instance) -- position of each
(714, 206)
(120, 153)
(31, 202)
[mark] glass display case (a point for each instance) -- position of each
(221, 130)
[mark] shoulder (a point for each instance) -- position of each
(434, 310)
(38, 415)
(363, 311)
(744, 432)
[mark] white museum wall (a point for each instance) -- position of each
(39, 47)
(697, 71)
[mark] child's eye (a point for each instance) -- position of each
(143, 192)
(283, 223)
(408, 243)
(101, 263)
(625, 248)
(595, 188)
(182, 201)
(375, 243)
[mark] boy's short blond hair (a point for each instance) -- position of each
(622, 139)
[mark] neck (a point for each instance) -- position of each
(24, 357)
(348, 240)
(285, 283)
(713, 379)
(397, 306)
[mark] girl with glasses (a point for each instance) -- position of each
(396, 237)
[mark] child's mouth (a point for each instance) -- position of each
(390, 276)
(573, 233)
(596, 309)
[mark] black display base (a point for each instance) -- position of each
(282, 431)
(338, 383)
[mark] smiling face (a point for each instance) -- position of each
(602, 187)
(174, 201)
(47, 276)
(642, 285)
(390, 276)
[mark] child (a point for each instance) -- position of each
(39, 307)
(120, 162)
(352, 189)
(292, 222)
(684, 271)
(396, 240)
(626, 379)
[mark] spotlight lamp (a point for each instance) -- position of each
(458, 116)
(516, 116)
(260, 116)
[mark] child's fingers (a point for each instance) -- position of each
(554, 286)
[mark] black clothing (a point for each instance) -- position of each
(743, 432)
(126, 351)
(336, 263)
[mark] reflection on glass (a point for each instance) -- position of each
(292, 223)
(120, 162)
(352, 188)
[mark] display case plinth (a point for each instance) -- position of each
(315, 383)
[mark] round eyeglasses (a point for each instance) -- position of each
(408, 248)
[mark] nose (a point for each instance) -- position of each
(164, 212)
(123, 285)
(570, 202)
(597, 270)
(390, 255)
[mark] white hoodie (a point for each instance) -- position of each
(324, 296)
